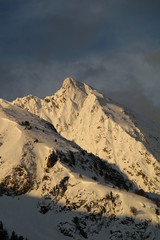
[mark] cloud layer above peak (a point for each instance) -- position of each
(112, 45)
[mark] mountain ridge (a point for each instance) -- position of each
(81, 114)
(61, 174)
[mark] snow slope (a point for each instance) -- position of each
(52, 188)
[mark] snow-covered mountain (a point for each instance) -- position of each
(78, 166)
(102, 127)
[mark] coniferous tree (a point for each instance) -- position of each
(1, 225)
(14, 236)
(21, 238)
(3, 233)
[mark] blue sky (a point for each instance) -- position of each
(113, 45)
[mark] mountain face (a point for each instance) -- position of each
(76, 165)
(98, 125)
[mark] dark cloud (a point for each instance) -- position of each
(112, 45)
(135, 99)
(13, 82)
(48, 30)
(153, 58)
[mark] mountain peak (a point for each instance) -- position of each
(68, 81)
(73, 84)
(76, 86)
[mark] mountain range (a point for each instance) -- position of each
(77, 165)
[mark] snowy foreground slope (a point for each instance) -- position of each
(51, 188)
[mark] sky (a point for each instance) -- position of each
(112, 45)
